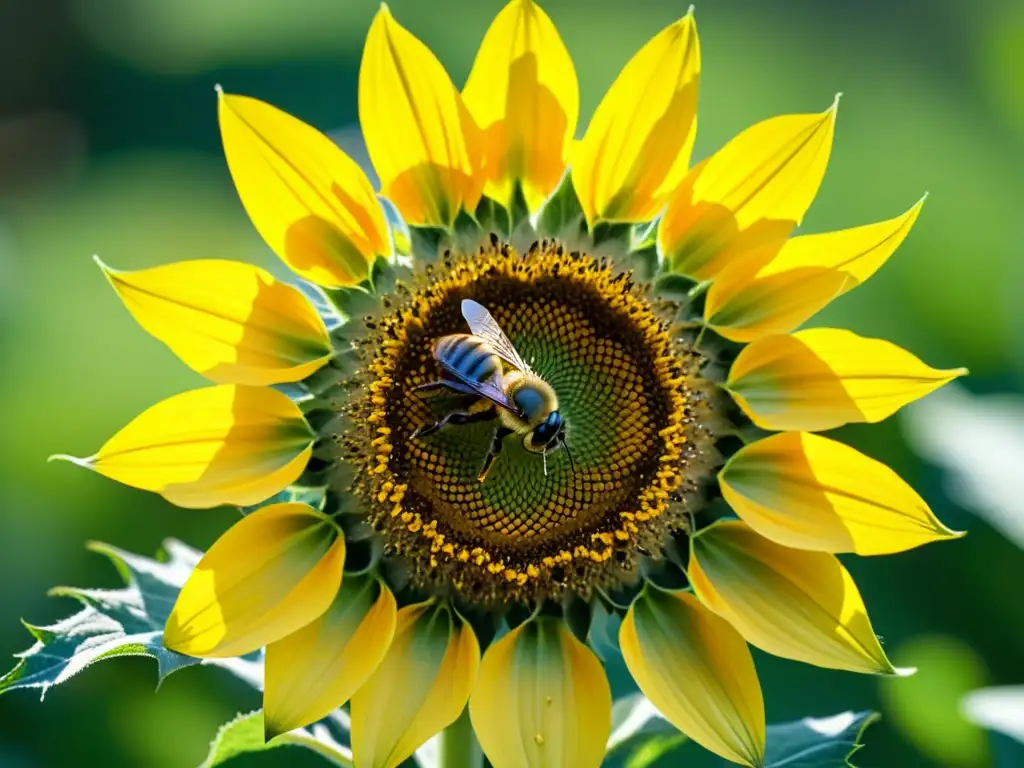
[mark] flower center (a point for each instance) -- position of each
(539, 523)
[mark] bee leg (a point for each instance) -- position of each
(496, 444)
(455, 417)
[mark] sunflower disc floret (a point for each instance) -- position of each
(628, 389)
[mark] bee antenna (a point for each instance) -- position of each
(565, 447)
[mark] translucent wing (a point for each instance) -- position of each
(486, 327)
(489, 389)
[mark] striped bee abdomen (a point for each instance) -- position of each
(470, 356)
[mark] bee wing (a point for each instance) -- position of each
(491, 389)
(486, 327)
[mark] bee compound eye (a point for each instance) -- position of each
(544, 433)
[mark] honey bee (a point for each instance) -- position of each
(523, 403)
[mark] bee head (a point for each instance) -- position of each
(545, 433)
(534, 398)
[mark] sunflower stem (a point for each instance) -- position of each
(459, 747)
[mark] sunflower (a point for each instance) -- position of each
(690, 506)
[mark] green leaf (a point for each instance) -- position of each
(613, 233)
(117, 622)
(398, 228)
(603, 636)
(654, 748)
(813, 742)
(645, 235)
(466, 228)
(428, 243)
(352, 302)
(641, 737)
(645, 263)
(518, 211)
(244, 735)
(493, 217)
(311, 495)
(562, 215)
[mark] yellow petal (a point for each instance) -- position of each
(809, 492)
(421, 138)
(744, 309)
(823, 378)
(792, 603)
(318, 668)
(542, 700)
(309, 200)
(637, 146)
(522, 92)
(697, 670)
(420, 687)
(757, 187)
(227, 444)
(859, 251)
(270, 574)
(232, 322)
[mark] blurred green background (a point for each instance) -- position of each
(109, 145)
